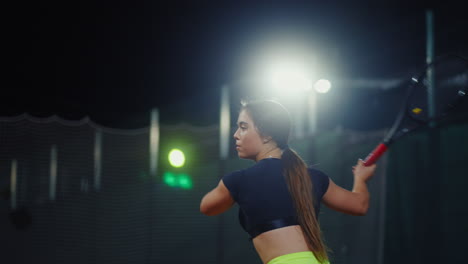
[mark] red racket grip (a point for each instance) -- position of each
(375, 154)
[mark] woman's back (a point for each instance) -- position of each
(279, 242)
(262, 194)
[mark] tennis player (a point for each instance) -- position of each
(279, 196)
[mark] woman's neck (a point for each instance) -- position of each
(271, 153)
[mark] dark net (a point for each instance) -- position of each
(106, 206)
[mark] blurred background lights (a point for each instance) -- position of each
(288, 76)
(176, 158)
(170, 179)
(181, 180)
(322, 86)
(185, 181)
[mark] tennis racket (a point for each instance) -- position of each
(423, 106)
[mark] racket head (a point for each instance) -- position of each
(439, 93)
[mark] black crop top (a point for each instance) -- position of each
(263, 197)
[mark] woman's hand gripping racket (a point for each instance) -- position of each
(449, 76)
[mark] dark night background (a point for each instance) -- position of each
(115, 60)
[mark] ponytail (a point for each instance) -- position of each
(300, 188)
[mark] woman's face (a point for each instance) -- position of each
(248, 140)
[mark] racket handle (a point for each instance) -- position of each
(375, 154)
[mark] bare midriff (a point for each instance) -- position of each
(278, 242)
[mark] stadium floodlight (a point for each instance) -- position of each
(288, 76)
(322, 86)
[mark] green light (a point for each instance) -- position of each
(185, 181)
(170, 179)
(181, 180)
(176, 158)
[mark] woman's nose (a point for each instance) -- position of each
(235, 135)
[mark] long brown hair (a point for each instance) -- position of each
(273, 119)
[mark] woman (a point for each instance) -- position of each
(279, 197)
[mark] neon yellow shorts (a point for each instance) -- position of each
(303, 257)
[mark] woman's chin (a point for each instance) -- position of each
(241, 156)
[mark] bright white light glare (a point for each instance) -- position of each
(288, 77)
(176, 158)
(322, 86)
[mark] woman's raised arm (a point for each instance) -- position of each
(355, 202)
